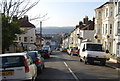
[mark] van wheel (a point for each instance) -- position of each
(80, 60)
(102, 62)
(85, 61)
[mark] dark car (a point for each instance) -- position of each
(44, 53)
(37, 59)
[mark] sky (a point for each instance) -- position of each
(63, 13)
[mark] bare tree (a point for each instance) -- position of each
(17, 7)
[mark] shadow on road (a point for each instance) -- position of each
(57, 59)
(52, 74)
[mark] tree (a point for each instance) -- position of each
(9, 31)
(17, 7)
(9, 9)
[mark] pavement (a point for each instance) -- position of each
(113, 64)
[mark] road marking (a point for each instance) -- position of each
(71, 72)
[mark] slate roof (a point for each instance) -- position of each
(104, 4)
(24, 23)
(88, 27)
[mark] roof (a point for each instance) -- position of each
(13, 54)
(88, 27)
(24, 23)
(104, 4)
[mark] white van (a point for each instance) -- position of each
(90, 52)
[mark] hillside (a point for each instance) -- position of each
(55, 30)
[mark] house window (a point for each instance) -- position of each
(99, 41)
(19, 38)
(110, 28)
(106, 29)
(111, 13)
(106, 12)
(118, 7)
(110, 46)
(118, 48)
(25, 39)
(103, 28)
(119, 27)
(99, 14)
(98, 30)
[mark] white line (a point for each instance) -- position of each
(71, 72)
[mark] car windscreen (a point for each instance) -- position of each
(46, 48)
(11, 61)
(94, 47)
(74, 49)
(43, 51)
(33, 55)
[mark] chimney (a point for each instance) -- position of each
(26, 17)
(85, 20)
(80, 23)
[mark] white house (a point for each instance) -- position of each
(86, 34)
(28, 38)
(107, 26)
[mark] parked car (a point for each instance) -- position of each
(73, 51)
(37, 59)
(18, 67)
(44, 53)
(47, 48)
(63, 49)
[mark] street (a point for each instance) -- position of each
(63, 67)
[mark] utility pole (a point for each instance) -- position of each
(40, 34)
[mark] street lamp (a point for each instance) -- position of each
(41, 31)
(40, 34)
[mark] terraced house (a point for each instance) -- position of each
(85, 30)
(107, 26)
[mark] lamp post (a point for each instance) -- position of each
(40, 34)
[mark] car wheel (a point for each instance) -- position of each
(80, 60)
(39, 70)
(43, 66)
(34, 77)
(71, 54)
